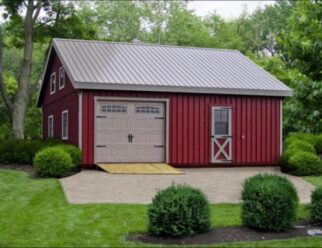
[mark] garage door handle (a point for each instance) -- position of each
(159, 118)
(100, 116)
(101, 146)
(158, 146)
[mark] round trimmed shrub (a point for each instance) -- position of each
(52, 162)
(269, 203)
(178, 211)
(305, 164)
(316, 206)
(74, 152)
(301, 145)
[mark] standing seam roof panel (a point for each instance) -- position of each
(91, 62)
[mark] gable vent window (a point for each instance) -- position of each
(108, 108)
(147, 109)
(53, 83)
(61, 77)
(64, 125)
(50, 126)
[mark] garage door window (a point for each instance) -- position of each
(113, 108)
(147, 109)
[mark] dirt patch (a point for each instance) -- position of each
(227, 235)
(30, 170)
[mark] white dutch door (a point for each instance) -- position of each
(221, 138)
(130, 132)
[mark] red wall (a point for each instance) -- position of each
(63, 99)
(257, 118)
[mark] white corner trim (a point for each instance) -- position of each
(281, 127)
(80, 119)
(62, 121)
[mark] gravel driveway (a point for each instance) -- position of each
(221, 185)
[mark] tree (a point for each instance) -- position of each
(24, 26)
(119, 20)
(260, 30)
(302, 41)
(223, 33)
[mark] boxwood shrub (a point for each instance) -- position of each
(269, 203)
(301, 145)
(74, 152)
(316, 206)
(52, 162)
(179, 211)
(300, 155)
(304, 164)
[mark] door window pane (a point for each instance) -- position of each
(221, 122)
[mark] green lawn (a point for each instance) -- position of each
(315, 180)
(35, 213)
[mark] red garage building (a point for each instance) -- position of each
(124, 102)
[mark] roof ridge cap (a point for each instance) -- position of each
(147, 44)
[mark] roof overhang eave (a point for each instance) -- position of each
(183, 89)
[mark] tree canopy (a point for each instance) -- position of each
(284, 38)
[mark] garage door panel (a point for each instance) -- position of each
(145, 121)
(108, 137)
(156, 137)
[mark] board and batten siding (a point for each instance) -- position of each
(255, 127)
(54, 104)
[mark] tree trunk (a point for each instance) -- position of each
(21, 98)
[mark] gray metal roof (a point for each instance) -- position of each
(144, 67)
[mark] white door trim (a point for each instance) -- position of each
(136, 99)
(214, 157)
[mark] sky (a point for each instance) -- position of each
(227, 9)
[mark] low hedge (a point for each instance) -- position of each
(52, 162)
(301, 145)
(316, 206)
(305, 164)
(179, 211)
(269, 203)
(300, 155)
(22, 151)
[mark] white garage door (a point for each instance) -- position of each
(130, 132)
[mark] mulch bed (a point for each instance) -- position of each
(227, 235)
(29, 169)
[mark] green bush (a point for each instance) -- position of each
(179, 211)
(269, 203)
(284, 160)
(289, 140)
(52, 162)
(301, 145)
(22, 151)
(74, 152)
(316, 206)
(318, 144)
(310, 138)
(305, 164)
